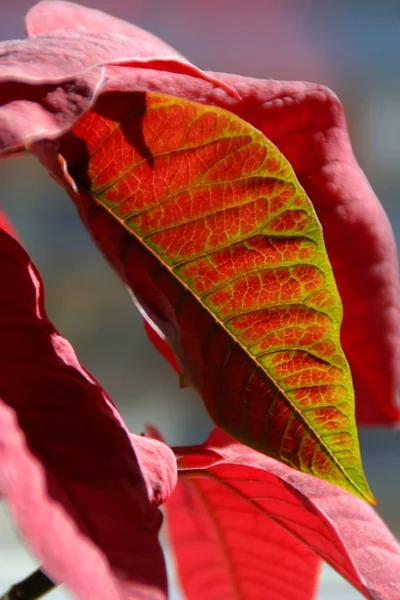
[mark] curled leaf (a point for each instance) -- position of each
(48, 81)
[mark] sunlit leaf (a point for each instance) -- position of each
(307, 123)
(245, 494)
(224, 547)
(229, 261)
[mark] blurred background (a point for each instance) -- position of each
(351, 46)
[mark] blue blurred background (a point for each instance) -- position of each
(351, 46)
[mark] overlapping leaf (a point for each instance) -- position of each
(227, 256)
(307, 123)
(223, 476)
(225, 548)
(83, 494)
(48, 81)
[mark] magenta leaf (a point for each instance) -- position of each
(83, 493)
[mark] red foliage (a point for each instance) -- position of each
(231, 503)
(67, 460)
(223, 546)
(42, 96)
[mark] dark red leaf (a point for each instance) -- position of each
(333, 524)
(83, 494)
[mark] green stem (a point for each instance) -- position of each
(33, 587)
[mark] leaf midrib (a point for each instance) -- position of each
(292, 407)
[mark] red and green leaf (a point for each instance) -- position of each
(224, 251)
(232, 503)
(306, 122)
(82, 492)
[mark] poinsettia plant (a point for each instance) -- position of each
(266, 270)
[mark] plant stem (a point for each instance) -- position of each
(33, 587)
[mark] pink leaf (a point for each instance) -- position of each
(125, 44)
(55, 15)
(43, 90)
(48, 81)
